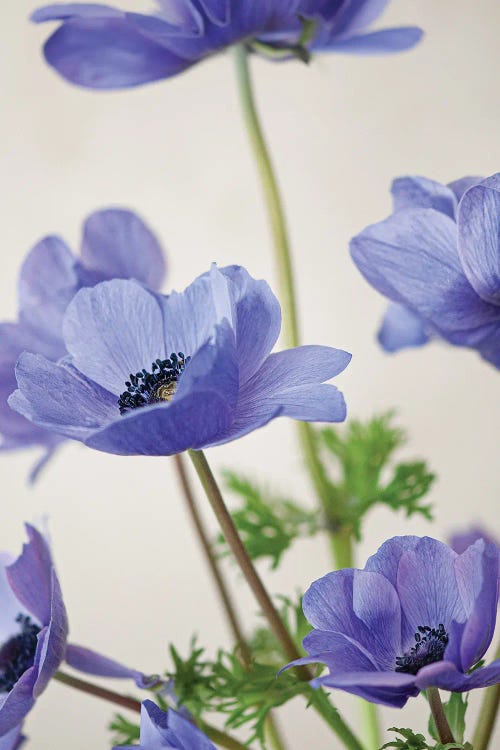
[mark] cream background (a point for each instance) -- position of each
(340, 131)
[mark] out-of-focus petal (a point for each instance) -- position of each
(401, 329)
(86, 660)
(383, 42)
(118, 244)
(420, 192)
(49, 658)
(30, 576)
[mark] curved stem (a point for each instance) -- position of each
(227, 603)
(99, 692)
(439, 716)
(253, 579)
(487, 715)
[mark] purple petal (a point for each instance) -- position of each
(479, 239)
(30, 576)
(218, 11)
(462, 540)
(15, 705)
(49, 659)
(464, 183)
(445, 675)
(186, 733)
(401, 329)
(355, 15)
(47, 456)
(387, 688)
(385, 41)
(11, 606)
(477, 578)
(13, 740)
(420, 192)
(257, 320)
(427, 587)
(339, 652)
(113, 330)
(48, 281)
(65, 11)
(60, 398)
(412, 258)
(118, 244)
(311, 403)
(93, 663)
(489, 347)
(109, 53)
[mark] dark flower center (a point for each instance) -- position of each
(18, 654)
(430, 644)
(146, 388)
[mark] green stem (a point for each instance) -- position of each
(253, 579)
(371, 725)
(325, 490)
(222, 738)
(443, 728)
(487, 715)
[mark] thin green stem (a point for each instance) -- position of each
(323, 487)
(230, 532)
(443, 728)
(487, 715)
(222, 738)
(371, 725)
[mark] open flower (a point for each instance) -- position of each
(437, 257)
(168, 729)
(101, 47)
(33, 636)
(417, 616)
(156, 375)
(116, 243)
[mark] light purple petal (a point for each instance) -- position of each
(464, 183)
(381, 42)
(420, 192)
(113, 330)
(186, 733)
(11, 606)
(53, 647)
(477, 577)
(311, 403)
(401, 329)
(109, 53)
(30, 576)
(462, 540)
(339, 652)
(118, 244)
(412, 258)
(65, 11)
(218, 11)
(60, 398)
(445, 675)
(13, 740)
(355, 15)
(48, 281)
(18, 702)
(489, 347)
(257, 320)
(479, 239)
(90, 662)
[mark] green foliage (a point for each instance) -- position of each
(267, 525)
(363, 457)
(412, 741)
(124, 731)
(454, 709)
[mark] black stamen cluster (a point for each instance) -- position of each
(143, 387)
(18, 654)
(430, 645)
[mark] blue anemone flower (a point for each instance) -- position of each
(101, 47)
(418, 615)
(34, 634)
(116, 243)
(437, 257)
(155, 375)
(168, 729)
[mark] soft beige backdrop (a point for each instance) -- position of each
(340, 129)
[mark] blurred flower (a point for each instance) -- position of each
(156, 375)
(461, 540)
(33, 636)
(115, 243)
(168, 729)
(100, 47)
(437, 257)
(417, 616)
